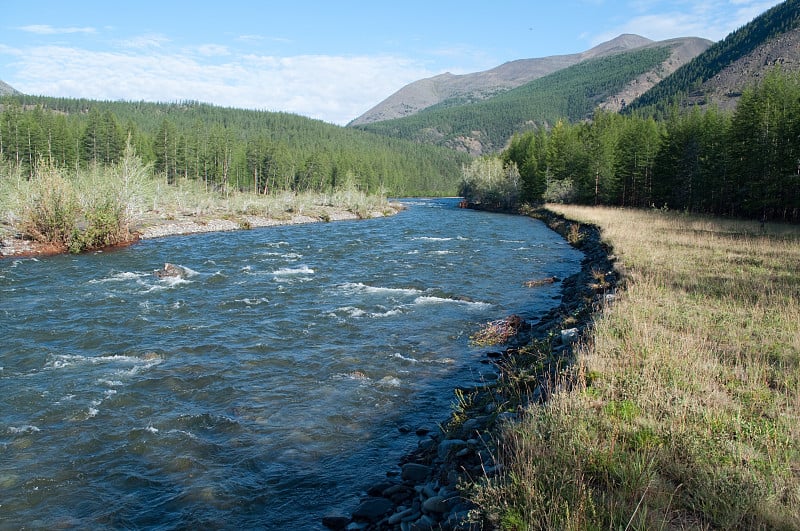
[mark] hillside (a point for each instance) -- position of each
(720, 73)
(571, 93)
(724, 89)
(6, 89)
(223, 147)
(477, 86)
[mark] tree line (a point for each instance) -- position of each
(222, 147)
(744, 163)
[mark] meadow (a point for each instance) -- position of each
(682, 408)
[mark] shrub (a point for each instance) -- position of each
(49, 209)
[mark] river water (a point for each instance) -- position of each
(267, 387)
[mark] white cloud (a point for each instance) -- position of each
(710, 19)
(213, 50)
(332, 88)
(46, 29)
(142, 42)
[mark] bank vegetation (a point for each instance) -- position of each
(100, 205)
(742, 163)
(682, 407)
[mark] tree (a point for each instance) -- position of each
(765, 147)
(636, 151)
(165, 149)
(529, 153)
(600, 139)
(488, 182)
(103, 139)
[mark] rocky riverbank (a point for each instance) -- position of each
(12, 243)
(430, 487)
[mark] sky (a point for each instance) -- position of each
(328, 60)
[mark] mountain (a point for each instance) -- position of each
(608, 80)
(477, 86)
(719, 74)
(726, 86)
(7, 90)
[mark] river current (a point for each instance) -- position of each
(264, 389)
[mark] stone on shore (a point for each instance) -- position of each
(373, 509)
(415, 472)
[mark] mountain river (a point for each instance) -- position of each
(267, 386)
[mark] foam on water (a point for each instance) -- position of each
(429, 299)
(26, 428)
(359, 287)
(120, 277)
(387, 313)
(290, 271)
(61, 361)
(350, 311)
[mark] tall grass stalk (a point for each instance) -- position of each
(684, 408)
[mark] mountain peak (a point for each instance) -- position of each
(621, 43)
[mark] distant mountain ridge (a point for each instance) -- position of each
(607, 80)
(469, 88)
(7, 90)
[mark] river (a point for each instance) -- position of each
(267, 386)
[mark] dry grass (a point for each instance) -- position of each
(687, 408)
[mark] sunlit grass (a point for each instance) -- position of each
(686, 408)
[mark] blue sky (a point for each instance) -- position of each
(323, 59)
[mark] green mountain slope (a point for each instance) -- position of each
(695, 80)
(571, 93)
(223, 145)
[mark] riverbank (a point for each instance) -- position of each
(174, 223)
(681, 409)
(432, 488)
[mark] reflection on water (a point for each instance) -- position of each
(265, 385)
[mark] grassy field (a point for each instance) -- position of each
(683, 408)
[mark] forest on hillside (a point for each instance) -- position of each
(571, 93)
(744, 163)
(225, 148)
(683, 82)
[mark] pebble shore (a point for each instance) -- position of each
(428, 488)
(13, 244)
(160, 230)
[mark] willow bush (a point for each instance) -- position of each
(76, 211)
